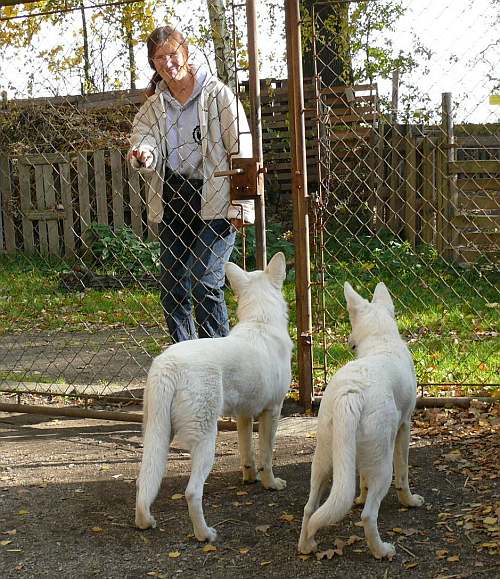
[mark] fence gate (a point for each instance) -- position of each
(414, 205)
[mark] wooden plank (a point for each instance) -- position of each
(410, 205)
(100, 187)
(134, 189)
(83, 195)
(441, 177)
(26, 205)
(394, 221)
(66, 199)
(43, 159)
(50, 204)
(8, 225)
(468, 255)
(477, 222)
(478, 184)
(479, 238)
(117, 188)
(379, 220)
(428, 191)
(40, 205)
(478, 201)
(473, 166)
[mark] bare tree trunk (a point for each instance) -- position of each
(128, 33)
(88, 83)
(223, 43)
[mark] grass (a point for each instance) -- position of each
(448, 315)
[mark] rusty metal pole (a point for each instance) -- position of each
(256, 129)
(300, 201)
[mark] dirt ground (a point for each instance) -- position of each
(67, 501)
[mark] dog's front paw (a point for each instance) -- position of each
(209, 535)
(414, 501)
(144, 521)
(386, 550)
(307, 546)
(274, 484)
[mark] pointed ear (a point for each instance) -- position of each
(382, 296)
(276, 269)
(236, 276)
(353, 299)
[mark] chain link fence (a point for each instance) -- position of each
(406, 188)
(403, 172)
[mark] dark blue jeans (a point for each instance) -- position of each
(192, 256)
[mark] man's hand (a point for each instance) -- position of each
(239, 223)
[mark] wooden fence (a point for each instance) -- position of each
(441, 193)
(50, 200)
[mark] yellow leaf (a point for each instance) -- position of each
(23, 512)
(453, 558)
(286, 517)
(397, 529)
(244, 550)
(410, 565)
(97, 529)
(490, 520)
(441, 553)
(174, 554)
(311, 434)
(265, 563)
(209, 548)
(304, 557)
(12, 532)
(328, 554)
(177, 496)
(5, 542)
(241, 493)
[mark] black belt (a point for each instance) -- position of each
(176, 181)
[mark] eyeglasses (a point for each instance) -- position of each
(166, 57)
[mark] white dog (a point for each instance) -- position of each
(191, 384)
(364, 421)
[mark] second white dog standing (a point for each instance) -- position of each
(246, 374)
(364, 421)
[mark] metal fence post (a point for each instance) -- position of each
(300, 202)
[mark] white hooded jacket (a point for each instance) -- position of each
(224, 130)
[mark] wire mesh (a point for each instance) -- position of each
(403, 168)
(406, 189)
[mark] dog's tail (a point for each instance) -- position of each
(158, 396)
(346, 415)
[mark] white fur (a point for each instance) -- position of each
(191, 384)
(364, 422)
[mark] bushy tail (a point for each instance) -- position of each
(345, 419)
(158, 398)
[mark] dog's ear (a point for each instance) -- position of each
(236, 276)
(382, 296)
(353, 300)
(276, 269)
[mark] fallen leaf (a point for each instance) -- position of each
(12, 532)
(328, 554)
(5, 542)
(490, 520)
(453, 558)
(177, 496)
(244, 550)
(97, 529)
(286, 517)
(304, 557)
(209, 548)
(411, 565)
(174, 554)
(23, 512)
(264, 563)
(353, 539)
(241, 493)
(263, 528)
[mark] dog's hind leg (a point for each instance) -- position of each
(401, 468)
(268, 424)
(202, 460)
(379, 483)
(245, 443)
(321, 471)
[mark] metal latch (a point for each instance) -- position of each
(246, 178)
